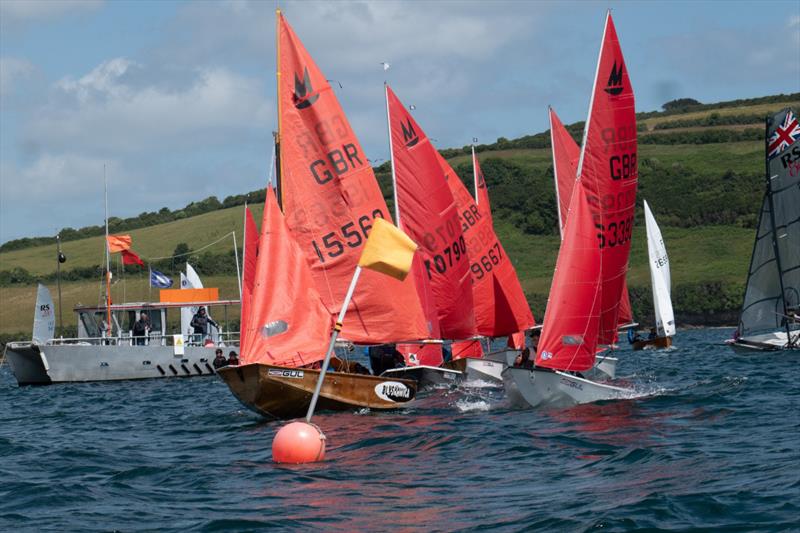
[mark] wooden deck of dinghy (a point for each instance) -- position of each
(283, 392)
(658, 342)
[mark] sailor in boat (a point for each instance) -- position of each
(141, 328)
(653, 334)
(523, 360)
(385, 357)
(219, 359)
(233, 359)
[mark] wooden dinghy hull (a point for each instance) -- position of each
(658, 343)
(284, 393)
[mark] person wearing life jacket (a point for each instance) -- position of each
(219, 360)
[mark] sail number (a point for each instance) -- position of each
(623, 166)
(487, 262)
(351, 235)
(450, 255)
(616, 233)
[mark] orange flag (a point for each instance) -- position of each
(118, 243)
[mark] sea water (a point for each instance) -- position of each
(712, 441)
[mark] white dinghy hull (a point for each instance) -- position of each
(604, 368)
(551, 388)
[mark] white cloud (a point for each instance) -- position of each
(112, 111)
(12, 70)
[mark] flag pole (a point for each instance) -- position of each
(336, 329)
(108, 255)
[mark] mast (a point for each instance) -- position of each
(555, 171)
(775, 246)
(475, 174)
(391, 157)
(277, 134)
(108, 256)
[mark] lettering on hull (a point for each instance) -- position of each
(294, 374)
(394, 391)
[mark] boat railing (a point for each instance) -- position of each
(224, 339)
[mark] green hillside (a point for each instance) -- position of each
(704, 192)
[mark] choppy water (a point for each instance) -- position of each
(715, 445)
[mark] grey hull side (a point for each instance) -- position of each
(41, 365)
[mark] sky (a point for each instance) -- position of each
(176, 100)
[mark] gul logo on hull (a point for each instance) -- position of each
(304, 96)
(614, 81)
(394, 391)
(294, 374)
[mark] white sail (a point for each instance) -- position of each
(44, 317)
(193, 282)
(659, 276)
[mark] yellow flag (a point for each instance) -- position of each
(388, 250)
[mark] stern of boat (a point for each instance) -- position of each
(28, 362)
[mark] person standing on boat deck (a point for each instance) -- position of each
(141, 328)
(219, 360)
(200, 322)
(233, 359)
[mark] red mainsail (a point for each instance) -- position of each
(608, 170)
(429, 214)
(287, 323)
(500, 304)
(421, 354)
(249, 262)
(470, 348)
(572, 318)
(330, 197)
(566, 154)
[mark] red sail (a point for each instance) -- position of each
(287, 323)
(609, 172)
(481, 189)
(421, 354)
(572, 318)
(249, 262)
(516, 341)
(500, 304)
(330, 197)
(566, 154)
(470, 348)
(429, 214)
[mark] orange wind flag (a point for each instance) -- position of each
(118, 243)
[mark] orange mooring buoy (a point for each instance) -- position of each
(298, 442)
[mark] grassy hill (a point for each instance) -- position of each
(704, 194)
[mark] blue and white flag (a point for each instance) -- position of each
(159, 280)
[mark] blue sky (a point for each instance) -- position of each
(177, 99)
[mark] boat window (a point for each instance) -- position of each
(90, 323)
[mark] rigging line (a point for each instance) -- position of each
(192, 252)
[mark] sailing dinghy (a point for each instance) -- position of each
(660, 279)
(769, 319)
(583, 308)
(307, 255)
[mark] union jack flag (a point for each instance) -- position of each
(785, 135)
